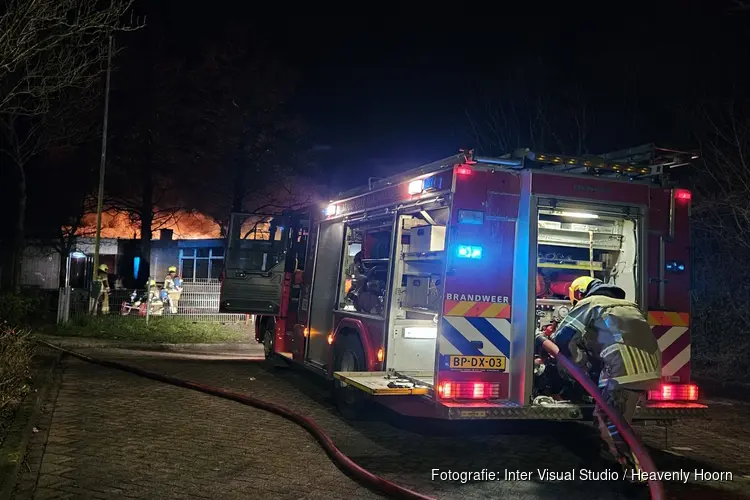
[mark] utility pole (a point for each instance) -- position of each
(102, 166)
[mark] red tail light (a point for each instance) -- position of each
(674, 392)
(463, 170)
(682, 194)
(468, 390)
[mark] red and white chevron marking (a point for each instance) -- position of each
(674, 342)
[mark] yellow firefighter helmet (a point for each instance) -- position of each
(104, 268)
(579, 287)
(172, 269)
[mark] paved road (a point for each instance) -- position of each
(108, 434)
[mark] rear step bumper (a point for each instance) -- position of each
(381, 384)
(507, 410)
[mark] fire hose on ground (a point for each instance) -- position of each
(655, 487)
(343, 462)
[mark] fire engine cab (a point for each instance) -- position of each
(424, 291)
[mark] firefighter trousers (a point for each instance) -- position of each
(104, 297)
(625, 399)
(174, 300)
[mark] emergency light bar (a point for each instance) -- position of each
(331, 210)
(419, 186)
(415, 187)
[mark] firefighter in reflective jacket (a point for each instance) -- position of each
(606, 329)
(103, 281)
(173, 286)
(154, 299)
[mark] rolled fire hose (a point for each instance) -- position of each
(655, 487)
(346, 464)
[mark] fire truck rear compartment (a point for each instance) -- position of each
(572, 240)
(576, 240)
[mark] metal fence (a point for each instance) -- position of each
(198, 302)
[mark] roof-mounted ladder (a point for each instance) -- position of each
(641, 162)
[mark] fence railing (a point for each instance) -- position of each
(198, 302)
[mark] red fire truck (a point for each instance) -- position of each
(424, 291)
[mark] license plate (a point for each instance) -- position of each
(477, 363)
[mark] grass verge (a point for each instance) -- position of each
(16, 356)
(167, 330)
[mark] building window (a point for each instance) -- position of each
(201, 264)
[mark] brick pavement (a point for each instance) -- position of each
(114, 435)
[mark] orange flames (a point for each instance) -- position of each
(186, 226)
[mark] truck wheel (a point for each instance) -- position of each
(269, 332)
(350, 357)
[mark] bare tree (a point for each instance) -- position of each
(66, 123)
(47, 48)
(513, 115)
(241, 90)
(721, 239)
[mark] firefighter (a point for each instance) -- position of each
(102, 277)
(154, 301)
(605, 329)
(173, 286)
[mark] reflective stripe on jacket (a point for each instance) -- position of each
(614, 331)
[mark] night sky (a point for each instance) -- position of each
(379, 93)
(392, 92)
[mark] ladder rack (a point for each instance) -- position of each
(641, 162)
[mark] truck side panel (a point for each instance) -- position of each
(669, 281)
(476, 312)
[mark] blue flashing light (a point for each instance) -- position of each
(434, 182)
(136, 265)
(675, 266)
(469, 252)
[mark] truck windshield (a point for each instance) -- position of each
(255, 243)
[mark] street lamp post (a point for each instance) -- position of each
(102, 167)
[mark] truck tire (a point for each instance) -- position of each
(268, 329)
(349, 357)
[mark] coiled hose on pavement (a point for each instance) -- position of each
(647, 465)
(346, 464)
